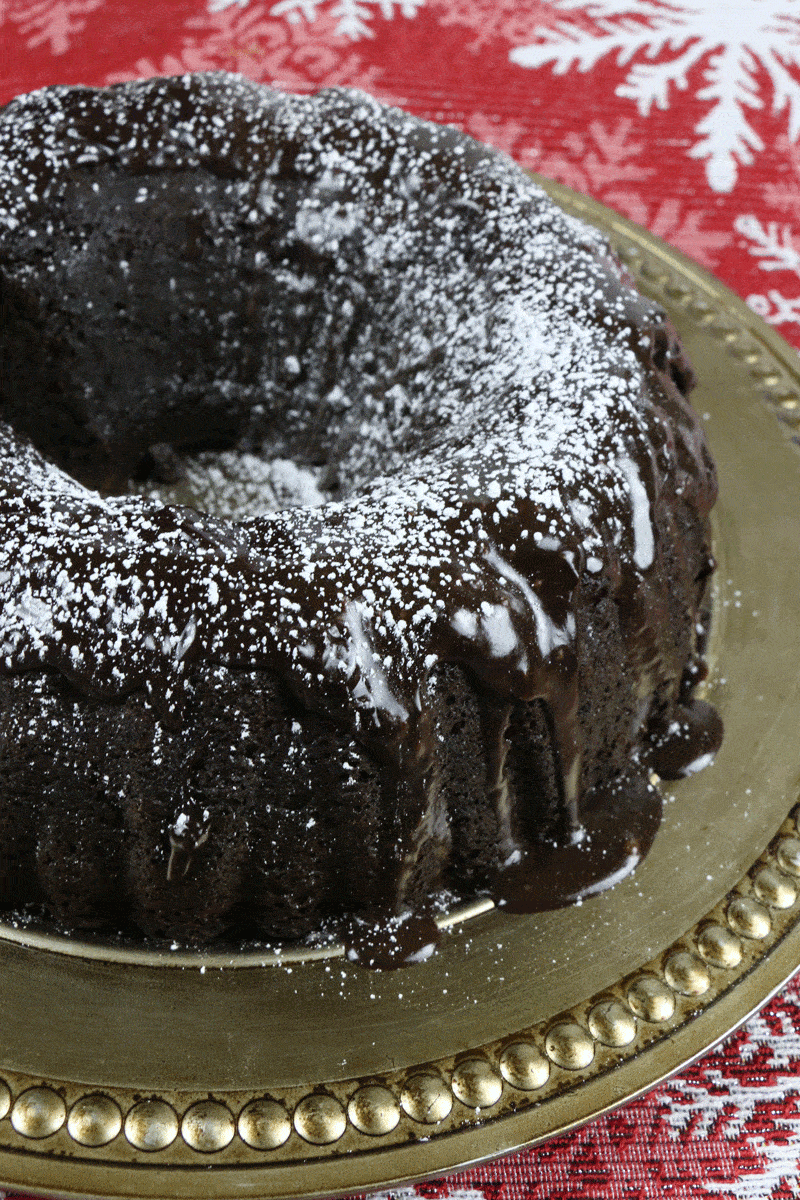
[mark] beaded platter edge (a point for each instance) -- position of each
(56, 1118)
(440, 1097)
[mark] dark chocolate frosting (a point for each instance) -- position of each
(501, 417)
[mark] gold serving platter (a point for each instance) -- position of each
(143, 1074)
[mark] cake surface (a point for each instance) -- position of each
(456, 669)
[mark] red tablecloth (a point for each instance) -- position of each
(685, 116)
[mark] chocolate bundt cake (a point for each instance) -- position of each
(457, 672)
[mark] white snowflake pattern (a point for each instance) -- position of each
(736, 48)
(45, 22)
(773, 245)
(729, 1105)
(352, 17)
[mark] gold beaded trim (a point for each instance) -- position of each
(775, 384)
(495, 1080)
(438, 1098)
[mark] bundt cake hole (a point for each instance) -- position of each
(235, 485)
(295, 336)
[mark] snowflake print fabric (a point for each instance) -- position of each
(693, 46)
(353, 17)
(684, 115)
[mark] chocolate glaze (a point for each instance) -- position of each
(688, 742)
(503, 418)
(618, 825)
